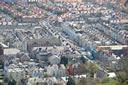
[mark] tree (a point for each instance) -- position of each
(126, 82)
(64, 60)
(1, 83)
(123, 64)
(126, 2)
(70, 81)
(45, 75)
(92, 68)
(99, 15)
(1, 50)
(106, 80)
(112, 69)
(122, 77)
(82, 81)
(122, 73)
(19, 9)
(7, 40)
(23, 81)
(109, 81)
(88, 68)
(13, 16)
(91, 81)
(56, 84)
(69, 64)
(6, 79)
(83, 60)
(82, 70)
(12, 82)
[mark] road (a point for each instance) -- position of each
(56, 33)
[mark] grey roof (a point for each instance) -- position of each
(43, 42)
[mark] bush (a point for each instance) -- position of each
(64, 60)
(70, 81)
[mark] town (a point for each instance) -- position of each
(63, 42)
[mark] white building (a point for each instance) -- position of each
(11, 51)
(111, 75)
(54, 59)
(15, 73)
(56, 70)
(40, 81)
(36, 72)
(35, 80)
